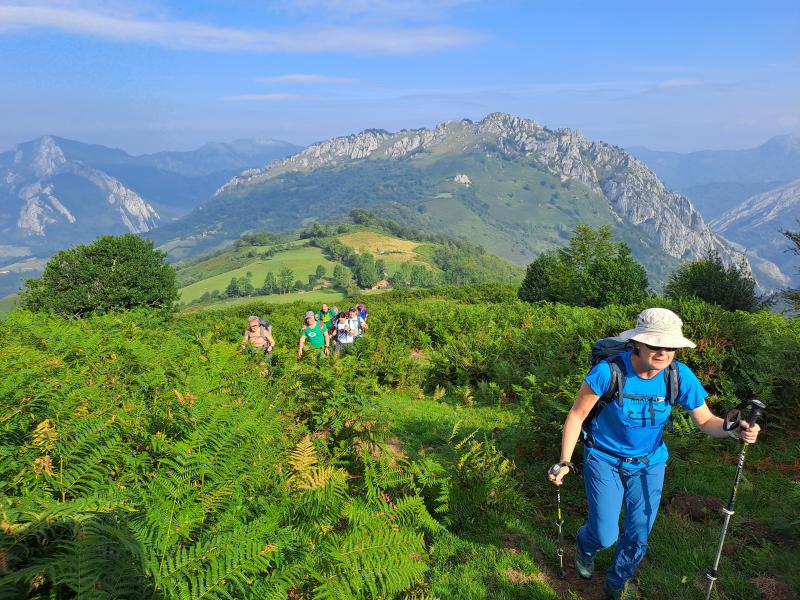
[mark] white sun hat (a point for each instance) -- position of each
(658, 327)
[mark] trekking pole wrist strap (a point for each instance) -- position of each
(556, 468)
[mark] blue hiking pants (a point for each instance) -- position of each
(609, 488)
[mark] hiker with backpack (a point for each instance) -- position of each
(362, 312)
(620, 412)
(326, 316)
(343, 333)
(258, 340)
(316, 334)
(356, 323)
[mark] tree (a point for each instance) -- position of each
(111, 273)
(731, 287)
(364, 270)
(232, 291)
(792, 295)
(320, 272)
(285, 280)
(343, 279)
(592, 270)
(245, 286)
(270, 284)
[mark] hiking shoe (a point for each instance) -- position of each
(584, 564)
(626, 592)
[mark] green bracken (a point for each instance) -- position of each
(140, 459)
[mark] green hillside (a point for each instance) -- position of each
(512, 207)
(204, 281)
(157, 463)
(303, 260)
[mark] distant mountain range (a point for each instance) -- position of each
(505, 182)
(718, 180)
(757, 222)
(55, 193)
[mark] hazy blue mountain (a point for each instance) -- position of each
(55, 193)
(48, 201)
(718, 180)
(757, 222)
(505, 182)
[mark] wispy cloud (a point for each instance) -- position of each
(264, 98)
(191, 35)
(676, 86)
(312, 79)
(378, 11)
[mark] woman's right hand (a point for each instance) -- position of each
(557, 478)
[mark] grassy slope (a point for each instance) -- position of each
(8, 303)
(312, 300)
(302, 260)
(510, 557)
(507, 558)
(392, 250)
(513, 208)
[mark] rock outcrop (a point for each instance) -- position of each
(634, 192)
(32, 179)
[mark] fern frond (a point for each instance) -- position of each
(304, 456)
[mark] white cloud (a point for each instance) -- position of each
(678, 84)
(190, 35)
(312, 79)
(377, 10)
(263, 98)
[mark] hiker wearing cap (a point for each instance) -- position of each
(621, 410)
(258, 340)
(326, 316)
(316, 335)
(356, 323)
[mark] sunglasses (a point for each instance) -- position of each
(657, 348)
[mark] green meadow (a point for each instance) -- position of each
(302, 260)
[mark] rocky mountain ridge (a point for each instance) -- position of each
(634, 192)
(30, 177)
(757, 223)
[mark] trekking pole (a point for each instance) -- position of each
(554, 471)
(756, 409)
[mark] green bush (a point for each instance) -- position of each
(730, 287)
(591, 270)
(112, 273)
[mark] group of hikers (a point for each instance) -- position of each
(322, 329)
(621, 410)
(331, 326)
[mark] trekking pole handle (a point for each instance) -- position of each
(756, 411)
(556, 468)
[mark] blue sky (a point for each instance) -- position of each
(154, 75)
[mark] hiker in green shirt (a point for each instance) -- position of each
(316, 334)
(327, 316)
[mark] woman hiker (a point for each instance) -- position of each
(624, 453)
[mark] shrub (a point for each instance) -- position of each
(591, 270)
(112, 273)
(731, 287)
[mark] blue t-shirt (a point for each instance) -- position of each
(636, 428)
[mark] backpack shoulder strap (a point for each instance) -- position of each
(618, 379)
(673, 380)
(618, 368)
